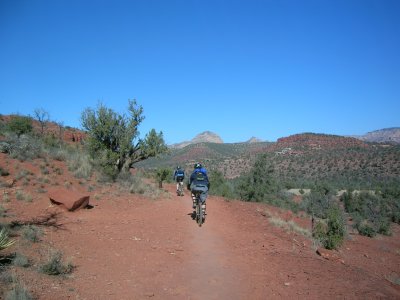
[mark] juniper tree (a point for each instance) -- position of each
(113, 139)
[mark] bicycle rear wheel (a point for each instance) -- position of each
(199, 211)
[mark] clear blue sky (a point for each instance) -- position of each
(237, 68)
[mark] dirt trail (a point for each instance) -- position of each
(128, 247)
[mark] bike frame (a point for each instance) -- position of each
(199, 211)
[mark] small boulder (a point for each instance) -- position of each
(329, 255)
(71, 200)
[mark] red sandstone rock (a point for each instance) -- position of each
(71, 200)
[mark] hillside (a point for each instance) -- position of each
(298, 160)
(54, 130)
(391, 135)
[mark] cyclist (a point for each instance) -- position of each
(199, 182)
(179, 175)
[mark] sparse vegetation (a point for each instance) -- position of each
(372, 213)
(55, 264)
(18, 292)
(21, 260)
(32, 233)
(80, 165)
(289, 226)
(24, 196)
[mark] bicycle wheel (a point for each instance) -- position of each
(199, 211)
(181, 188)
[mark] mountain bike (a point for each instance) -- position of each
(179, 191)
(200, 210)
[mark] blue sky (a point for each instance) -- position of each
(237, 68)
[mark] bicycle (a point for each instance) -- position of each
(179, 191)
(200, 210)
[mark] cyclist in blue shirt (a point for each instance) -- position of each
(199, 182)
(179, 175)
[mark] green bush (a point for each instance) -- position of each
(372, 213)
(24, 148)
(318, 202)
(331, 234)
(111, 138)
(55, 265)
(162, 174)
(336, 228)
(219, 186)
(20, 125)
(259, 184)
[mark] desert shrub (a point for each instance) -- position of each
(44, 170)
(20, 125)
(111, 138)
(58, 154)
(55, 265)
(259, 184)
(391, 196)
(20, 260)
(318, 202)
(331, 232)
(50, 141)
(18, 292)
(20, 195)
(371, 212)
(32, 233)
(22, 174)
(161, 175)
(6, 277)
(80, 165)
(289, 226)
(138, 185)
(336, 228)
(24, 148)
(220, 186)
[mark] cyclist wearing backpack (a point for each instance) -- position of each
(199, 182)
(179, 175)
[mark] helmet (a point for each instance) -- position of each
(178, 167)
(198, 166)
